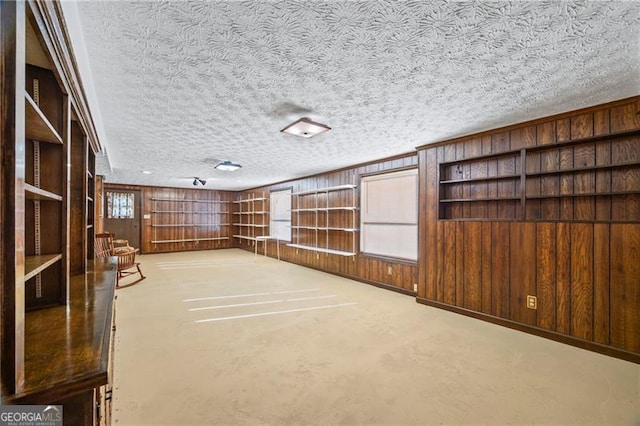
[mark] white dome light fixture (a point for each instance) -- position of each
(228, 166)
(305, 128)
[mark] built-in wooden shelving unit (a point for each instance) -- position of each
(321, 215)
(189, 220)
(251, 218)
(562, 181)
(54, 350)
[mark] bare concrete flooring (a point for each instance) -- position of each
(281, 344)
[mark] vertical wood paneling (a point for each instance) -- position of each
(546, 275)
(522, 271)
(563, 130)
(582, 280)
(486, 280)
(584, 270)
(449, 250)
(500, 270)
(603, 182)
(439, 249)
(459, 235)
(625, 207)
(582, 127)
(506, 166)
(625, 287)
(566, 184)
(431, 238)
(601, 267)
(625, 117)
(475, 169)
(601, 122)
(563, 276)
(472, 272)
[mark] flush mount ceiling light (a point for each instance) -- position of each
(305, 128)
(228, 166)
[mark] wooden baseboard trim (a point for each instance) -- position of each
(351, 277)
(562, 338)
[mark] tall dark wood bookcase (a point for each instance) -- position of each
(48, 272)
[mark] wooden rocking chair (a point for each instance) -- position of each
(126, 257)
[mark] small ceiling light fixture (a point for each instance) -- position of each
(305, 128)
(227, 166)
(146, 172)
(197, 179)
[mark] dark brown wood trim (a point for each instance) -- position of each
(350, 277)
(11, 293)
(389, 259)
(124, 186)
(49, 18)
(58, 392)
(384, 172)
(536, 121)
(352, 167)
(562, 338)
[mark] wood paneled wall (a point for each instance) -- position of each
(193, 219)
(197, 219)
(579, 255)
(388, 273)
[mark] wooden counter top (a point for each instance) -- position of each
(67, 347)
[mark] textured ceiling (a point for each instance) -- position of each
(183, 84)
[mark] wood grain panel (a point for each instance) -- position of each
(546, 275)
(625, 207)
(522, 275)
(441, 260)
(566, 256)
(601, 122)
(523, 137)
(500, 257)
(584, 156)
(431, 204)
(581, 126)
(563, 130)
(625, 287)
(566, 184)
(423, 250)
(449, 252)
(472, 272)
(550, 184)
(563, 277)
(533, 186)
(601, 268)
(625, 117)
(476, 189)
(582, 280)
(603, 181)
(459, 264)
(486, 280)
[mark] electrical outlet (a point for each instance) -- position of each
(532, 302)
(389, 270)
(415, 288)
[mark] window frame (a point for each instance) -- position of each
(272, 220)
(365, 223)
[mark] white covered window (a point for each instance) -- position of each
(389, 214)
(280, 215)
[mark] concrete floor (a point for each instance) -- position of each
(303, 347)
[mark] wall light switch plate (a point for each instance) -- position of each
(389, 270)
(146, 216)
(532, 302)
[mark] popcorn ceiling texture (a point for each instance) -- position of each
(183, 84)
